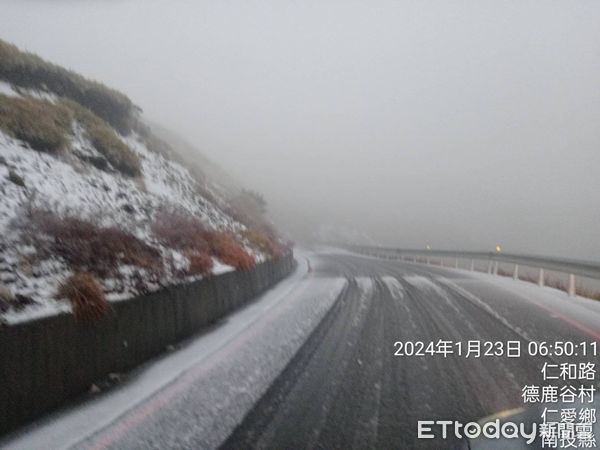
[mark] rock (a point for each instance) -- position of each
(15, 178)
(128, 208)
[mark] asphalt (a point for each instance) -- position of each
(346, 389)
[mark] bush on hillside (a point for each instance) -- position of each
(39, 123)
(225, 248)
(265, 242)
(28, 70)
(200, 263)
(100, 251)
(185, 232)
(85, 295)
(46, 127)
(181, 231)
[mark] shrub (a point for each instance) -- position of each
(46, 127)
(200, 264)
(265, 242)
(180, 231)
(100, 251)
(224, 247)
(105, 140)
(43, 125)
(85, 295)
(30, 71)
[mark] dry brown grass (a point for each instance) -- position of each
(265, 242)
(39, 123)
(185, 232)
(225, 248)
(30, 71)
(200, 264)
(88, 248)
(85, 295)
(180, 231)
(46, 127)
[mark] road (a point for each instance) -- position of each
(346, 389)
(337, 383)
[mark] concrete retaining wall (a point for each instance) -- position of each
(47, 361)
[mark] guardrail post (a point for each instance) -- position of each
(472, 265)
(489, 266)
(441, 262)
(572, 290)
(496, 268)
(516, 272)
(541, 278)
(456, 263)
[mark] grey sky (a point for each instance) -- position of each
(459, 124)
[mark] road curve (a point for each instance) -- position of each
(346, 389)
(311, 364)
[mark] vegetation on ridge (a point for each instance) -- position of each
(29, 71)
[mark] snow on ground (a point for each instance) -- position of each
(225, 371)
(13, 91)
(7, 89)
(68, 185)
(584, 310)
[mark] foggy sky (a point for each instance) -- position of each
(458, 124)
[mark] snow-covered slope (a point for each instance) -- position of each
(68, 185)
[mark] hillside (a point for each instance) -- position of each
(94, 206)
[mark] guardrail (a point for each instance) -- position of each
(572, 268)
(47, 361)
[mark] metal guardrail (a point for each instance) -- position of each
(572, 268)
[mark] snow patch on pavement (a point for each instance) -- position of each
(394, 286)
(421, 282)
(483, 305)
(583, 310)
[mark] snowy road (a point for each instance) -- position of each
(311, 364)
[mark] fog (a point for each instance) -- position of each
(460, 124)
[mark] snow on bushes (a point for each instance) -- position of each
(87, 247)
